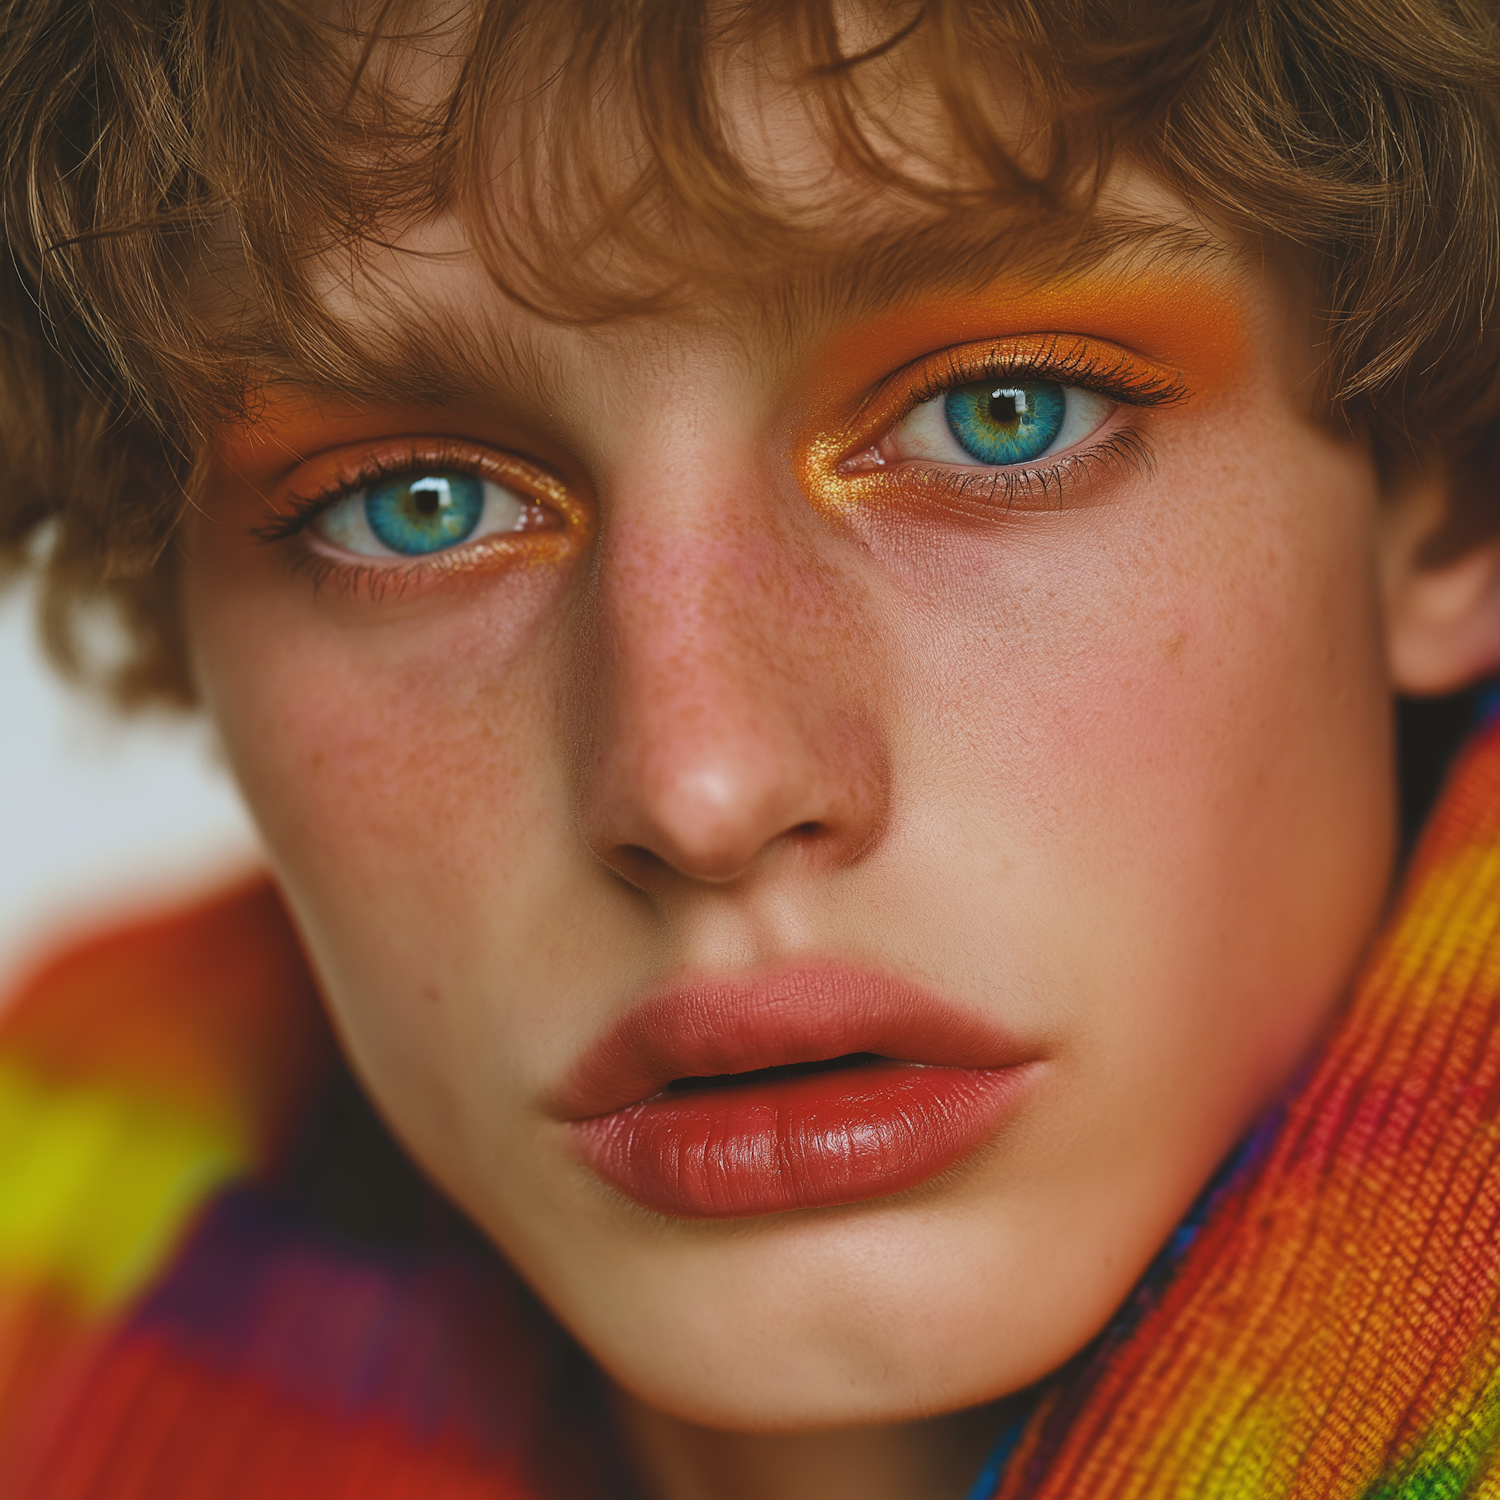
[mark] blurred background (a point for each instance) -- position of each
(101, 817)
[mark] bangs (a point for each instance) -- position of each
(213, 193)
(220, 172)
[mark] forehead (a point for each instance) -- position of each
(581, 222)
(426, 320)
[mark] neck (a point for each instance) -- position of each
(936, 1459)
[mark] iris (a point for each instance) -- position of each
(424, 513)
(1005, 424)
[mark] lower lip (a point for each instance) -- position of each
(811, 1141)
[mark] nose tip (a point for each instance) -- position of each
(711, 823)
(708, 771)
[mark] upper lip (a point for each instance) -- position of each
(791, 1015)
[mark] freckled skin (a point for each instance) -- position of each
(1118, 772)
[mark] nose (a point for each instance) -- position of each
(732, 705)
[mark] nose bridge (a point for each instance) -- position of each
(726, 713)
(699, 620)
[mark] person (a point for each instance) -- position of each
(807, 598)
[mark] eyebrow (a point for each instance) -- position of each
(437, 360)
(908, 266)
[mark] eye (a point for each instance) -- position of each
(421, 512)
(1000, 422)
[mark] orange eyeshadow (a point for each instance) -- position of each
(1193, 325)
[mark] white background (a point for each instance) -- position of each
(100, 817)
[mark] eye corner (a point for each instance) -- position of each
(286, 523)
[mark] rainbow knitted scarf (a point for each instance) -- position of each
(1326, 1324)
(220, 1280)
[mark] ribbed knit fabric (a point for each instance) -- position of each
(220, 1279)
(1331, 1329)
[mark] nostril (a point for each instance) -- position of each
(637, 859)
(641, 864)
(646, 869)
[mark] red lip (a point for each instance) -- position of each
(660, 1116)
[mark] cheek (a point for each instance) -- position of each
(367, 732)
(1165, 770)
(403, 774)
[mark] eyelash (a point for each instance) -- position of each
(1062, 362)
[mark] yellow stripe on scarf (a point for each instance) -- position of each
(97, 1183)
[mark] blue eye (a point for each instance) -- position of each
(999, 423)
(1005, 423)
(425, 514)
(416, 514)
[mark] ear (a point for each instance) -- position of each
(1442, 618)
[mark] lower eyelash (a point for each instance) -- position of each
(382, 582)
(353, 580)
(1126, 450)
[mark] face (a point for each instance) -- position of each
(982, 692)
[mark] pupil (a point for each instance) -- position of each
(1004, 410)
(427, 496)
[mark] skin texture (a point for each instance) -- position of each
(1110, 763)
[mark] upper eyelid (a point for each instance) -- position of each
(1064, 359)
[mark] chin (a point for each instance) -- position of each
(895, 1309)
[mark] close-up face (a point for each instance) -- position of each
(980, 688)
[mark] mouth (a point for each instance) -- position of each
(808, 1089)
